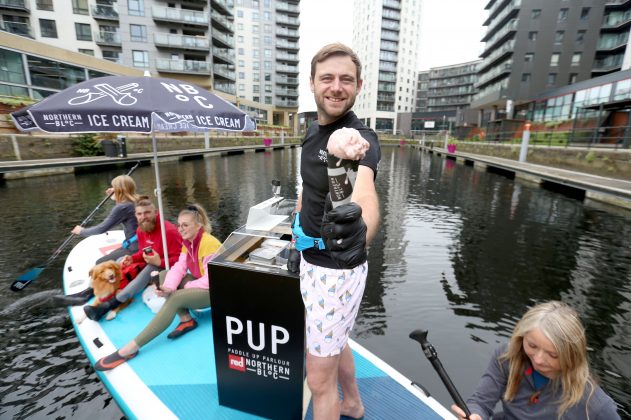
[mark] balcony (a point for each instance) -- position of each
(16, 28)
(182, 66)
(108, 39)
(224, 40)
(17, 5)
(226, 88)
(498, 72)
(286, 45)
(499, 37)
(614, 3)
(287, 69)
(227, 24)
(104, 12)
(281, 56)
(500, 20)
(287, 33)
(609, 64)
(613, 43)
(286, 104)
(616, 20)
(497, 55)
(389, 36)
(171, 14)
(284, 80)
(224, 54)
(286, 20)
(392, 4)
(181, 41)
(287, 8)
(224, 70)
(287, 92)
(223, 5)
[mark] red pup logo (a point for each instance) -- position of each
(236, 362)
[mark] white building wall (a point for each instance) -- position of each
(367, 26)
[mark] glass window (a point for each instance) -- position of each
(80, 7)
(241, 75)
(52, 74)
(267, 28)
(83, 31)
(113, 56)
(267, 40)
(623, 90)
(267, 53)
(240, 26)
(239, 13)
(580, 37)
(48, 28)
(241, 63)
(255, 15)
(576, 59)
(256, 77)
(267, 65)
(532, 35)
(256, 88)
(572, 78)
(268, 77)
(525, 77)
(554, 59)
(585, 13)
(136, 7)
(140, 58)
(11, 67)
(268, 88)
(45, 5)
(267, 16)
(13, 90)
(241, 87)
(558, 37)
(240, 39)
(552, 78)
(528, 57)
(268, 100)
(138, 33)
(256, 65)
(240, 51)
(255, 53)
(562, 15)
(536, 13)
(86, 51)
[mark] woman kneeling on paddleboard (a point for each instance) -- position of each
(542, 373)
(183, 291)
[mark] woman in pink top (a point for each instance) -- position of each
(185, 286)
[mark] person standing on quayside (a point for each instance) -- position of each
(334, 268)
(123, 192)
(150, 252)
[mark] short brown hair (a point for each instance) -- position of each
(336, 49)
(144, 201)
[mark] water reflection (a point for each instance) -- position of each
(460, 252)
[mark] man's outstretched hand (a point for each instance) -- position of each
(344, 234)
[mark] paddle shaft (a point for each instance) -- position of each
(21, 283)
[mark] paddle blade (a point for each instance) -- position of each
(26, 278)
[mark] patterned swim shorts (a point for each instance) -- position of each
(331, 298)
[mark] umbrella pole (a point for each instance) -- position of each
(165, 250)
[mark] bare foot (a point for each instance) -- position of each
(355, 411)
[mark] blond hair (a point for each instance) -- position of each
(562, 326)
(336, 49)
(199, 215)
(124, 189)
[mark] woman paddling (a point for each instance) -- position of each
(183, 291)
(123, 191)
(542, 373)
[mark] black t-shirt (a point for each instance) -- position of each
(315, 183)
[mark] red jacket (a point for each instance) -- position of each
(154, 240)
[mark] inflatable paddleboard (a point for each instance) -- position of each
(177, 378)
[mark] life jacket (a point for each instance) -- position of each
(130, 272)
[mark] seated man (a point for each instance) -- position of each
(150, 251)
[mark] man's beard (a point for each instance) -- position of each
(148, 225)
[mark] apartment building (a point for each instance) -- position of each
(386, 38)
(536, 45)
(422, 86)
(191, 40)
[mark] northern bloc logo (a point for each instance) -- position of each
(236, 362)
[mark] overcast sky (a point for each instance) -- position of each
(450, 33)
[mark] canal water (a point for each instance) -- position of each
(461, 253)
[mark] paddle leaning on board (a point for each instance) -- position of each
(31, 275)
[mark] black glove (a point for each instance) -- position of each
(293, 261)
(344, 234)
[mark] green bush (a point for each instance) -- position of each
(87, 145)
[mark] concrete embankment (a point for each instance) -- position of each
(581, 185)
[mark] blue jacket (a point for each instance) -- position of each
(493, 384)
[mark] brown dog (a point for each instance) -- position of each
(107, 279)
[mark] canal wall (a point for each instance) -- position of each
(611, 163)
(47, 146)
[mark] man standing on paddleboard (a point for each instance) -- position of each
(333, 241)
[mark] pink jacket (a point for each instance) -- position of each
(194, 259)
